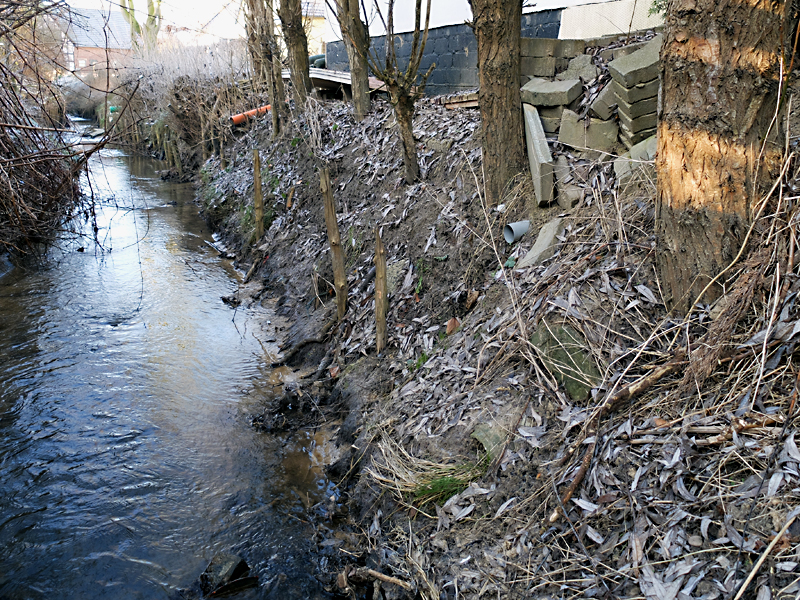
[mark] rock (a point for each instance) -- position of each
(637, 67)
(439, 145)
(545, 246)
(580, 67)
(394, 274)
(222, 570)
(541, 92)
(604, 104)
(539, 158)
(568, 194)
(563, 352)
(642, 91)
(595, 135)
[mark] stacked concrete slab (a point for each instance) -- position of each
(635, 83)
(544, 57)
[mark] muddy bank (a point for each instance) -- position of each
(500, 446)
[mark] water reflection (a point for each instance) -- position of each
(125, 455)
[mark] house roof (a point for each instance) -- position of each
(94, 28)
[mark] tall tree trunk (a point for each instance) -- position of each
(403, 105)
(291, 15)
(497, 25)
(356, 42)
(720, 72)
(276, 89)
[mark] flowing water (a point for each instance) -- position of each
(126, 387)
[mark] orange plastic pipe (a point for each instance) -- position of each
(242, 117)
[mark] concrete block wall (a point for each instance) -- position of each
(453, 49)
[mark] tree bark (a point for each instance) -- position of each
(275, 77)
(356, 42)
(720, 70)
(497, 25)
(403, 105)
(291, 16)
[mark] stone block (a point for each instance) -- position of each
(637, 109)
(581, 67)
(550, 112)
(595, 135)
(639, 156)
(630, 139)
(538, 67)
(538, 47)
(545, 245)
(562, 350)
(541, 92)
(550, 124)
(610, 54)
(604, 104)
(637, 67)
(639, 123)
(639, 92)
(539, 158)
(567, 193)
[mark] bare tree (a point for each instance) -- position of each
(265, 55)
(403, 85)
(355, 34)
(291, 16)
(497, 25)
(720, 93)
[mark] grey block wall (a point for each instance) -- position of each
(453, 49)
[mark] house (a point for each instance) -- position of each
(98, 45)
(452, 45)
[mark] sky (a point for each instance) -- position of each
(222, 18)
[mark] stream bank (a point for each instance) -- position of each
(459, 446)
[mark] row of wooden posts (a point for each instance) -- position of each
(337, 252)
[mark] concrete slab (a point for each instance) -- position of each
(640, 155)
(538, 67)
(545, 245)
(604, 104)
(539, 158)
(550, 124)
(541, 92)
(581, 67)
(610, 54)
(630, 139)
(639, 123)
(567, 193)
(638, 92)
(637, 109)
(541, 47)
(563, 352)
(595, 134)
(638, 67)
(550, 112)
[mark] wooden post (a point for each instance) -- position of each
(381, 292)
(258, 198)
(337, 254)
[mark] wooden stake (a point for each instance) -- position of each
(258, 198)
(337, 254)
(381, 292)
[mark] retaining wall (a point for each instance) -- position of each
(453, 48)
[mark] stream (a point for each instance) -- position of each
(127, 459)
